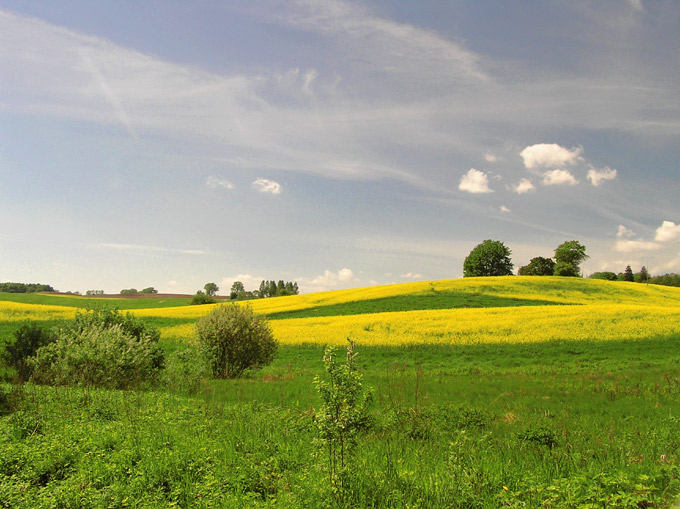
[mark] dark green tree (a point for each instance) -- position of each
(628, 274)
(538, 266)
(489, 258)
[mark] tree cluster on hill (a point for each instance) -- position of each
(492, 258)
(25, 288)
(278, 289)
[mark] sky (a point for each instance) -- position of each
(335, 143)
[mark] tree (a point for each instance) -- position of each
(538, 266)
(643, 275)
(211, 289)
(628, 274)
(128, 291)
(571, 252)
(489, 258)
(233, 339)
(150, 289)
(237, 290)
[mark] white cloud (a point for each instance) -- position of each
(250, 283)
(411, 275)
(491, 158)
(329, 280)
(667, 231)
(624, 232)
(597, 176)
(549, 154)
(627, 246)
(559, 178)
(215, 182)
(266, 186)
(524, 186)
(475, 181)
(504, 209)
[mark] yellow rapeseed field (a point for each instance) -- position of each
(17, 311)
(590, 310)
(580, 310)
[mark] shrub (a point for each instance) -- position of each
(202, 298)
(98, 356)
(233, 339)
(107, 318)
(102, 348)
(27, 340)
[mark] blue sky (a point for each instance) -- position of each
(332, 142)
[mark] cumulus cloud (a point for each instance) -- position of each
(216, 182)
(475, 181)
(667, 231)
(491, 158)
(549, 154)
(504, 209)
(596, 177)
(524, 186)
(624, 232)
(559, 178)
(627, 246)
(266, 186)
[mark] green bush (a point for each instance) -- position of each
(233, 339)
(202, 298)
(27, 340)
(102, 348)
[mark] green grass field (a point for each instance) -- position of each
(587, 423)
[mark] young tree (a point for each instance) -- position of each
(233, 339)
(489, 258)
(628, 274)
(538, 266)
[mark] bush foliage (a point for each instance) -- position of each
(102, 348)
(233, 339)
(27, 340)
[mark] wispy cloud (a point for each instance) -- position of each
(266, 186)
(216, 182)
(628, 246)
(141, 248)
(596, 176)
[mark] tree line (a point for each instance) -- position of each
(25, 288)
(492, 258)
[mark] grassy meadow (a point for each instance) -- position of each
(487, 392)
